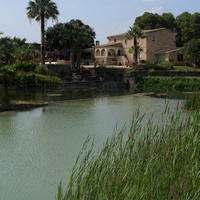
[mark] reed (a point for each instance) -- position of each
(192, 102)
(148, 162)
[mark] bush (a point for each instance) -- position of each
(166, 65)
(42, 69)
(162, 66)
(33, 80)
(143, 61)
(24, 66)
(178, 83)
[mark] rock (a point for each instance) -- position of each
(153, 94)
(21, 105)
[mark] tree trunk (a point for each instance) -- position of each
(72, 62)
(42, 47)
(135, 59)
(78, 60)
(5, 86)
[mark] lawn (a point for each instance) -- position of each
(186, 68)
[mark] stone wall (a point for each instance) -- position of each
(59, 69)
(156, 41)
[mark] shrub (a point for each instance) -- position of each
(33, 80)
(42, 69)
(24, 66)
(178, 83)
(143, 61)
(166, 65)
(162, 66)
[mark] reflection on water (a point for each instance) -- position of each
(38, 147)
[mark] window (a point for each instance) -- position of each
(115, 40)
(153, 38)
(119, 53)
(179, 57)
(97, 52)
(103, 52)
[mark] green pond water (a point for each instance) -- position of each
(38, 147)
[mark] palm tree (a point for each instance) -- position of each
(26, 52)
(77, 35)
(134, 34)
(42, 10)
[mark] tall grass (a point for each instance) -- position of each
(193, 102)
(151, 162)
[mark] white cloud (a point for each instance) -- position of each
(153, 10)
(156, 9)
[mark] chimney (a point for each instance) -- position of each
(97, 43)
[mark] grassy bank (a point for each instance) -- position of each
(153, 162)
(168, 83)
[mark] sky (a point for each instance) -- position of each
(106, 17)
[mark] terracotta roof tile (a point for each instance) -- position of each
(116, 44)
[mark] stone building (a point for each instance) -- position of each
(158, 45)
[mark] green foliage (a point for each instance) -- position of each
(41, 11)
(42, 69)
(112, 71)
(191, 52)
(6, 77)
(162, 66)
(24, 66)
(143, 61)
(134, 33)
(6, 51)
(26, 75)
(26, 52)
(192, 102)
(4, 99)
(166, 65)
(186, 25)
(152, 21)
(34, 80)
(71, 37)
(149, 162)
(166, 83)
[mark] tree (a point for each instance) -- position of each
(6, 76)
(191, 51)
(26, 52)
(42, 10)
(134, 34)
(168, 21)
(6, 50)
(74, 36)
(53, 37)
(149, 21)
(188, 27)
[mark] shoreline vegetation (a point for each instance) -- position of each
(21, 105)
(149, 161)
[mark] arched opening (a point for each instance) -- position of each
(111, 52)
(119, 52)
(97, 53)
(103, 52)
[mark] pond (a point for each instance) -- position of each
(38, 147)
